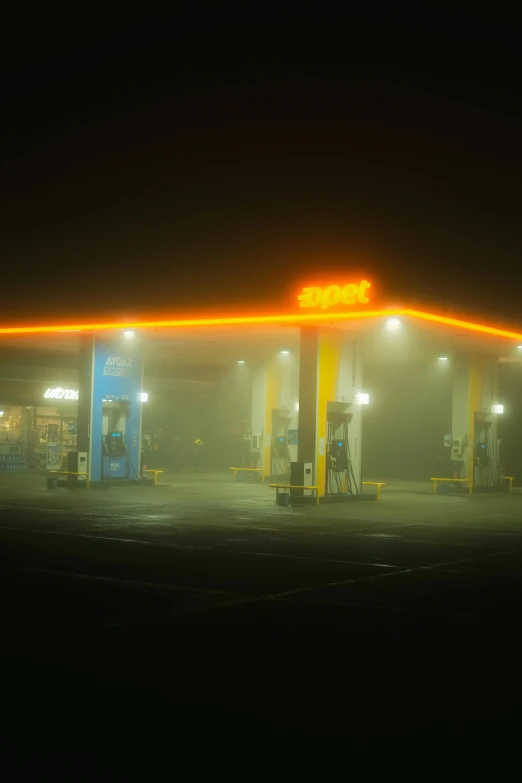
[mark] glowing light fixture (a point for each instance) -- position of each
(393, 324)
(1, 413)
(285, 353)
(128, 334)
(443, 358)
(144, 397)
(363, 398)
(497, 409)
(240, 361)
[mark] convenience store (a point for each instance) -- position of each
(38, 418)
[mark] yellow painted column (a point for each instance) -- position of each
(320, 359)
(273, 388)
(477, 369)
(329, 359)
(470, 396)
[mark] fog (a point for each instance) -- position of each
(403, 426)
(510, 425)
(218, 415)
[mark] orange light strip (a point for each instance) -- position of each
(472, 327)
(252, 320)
(184, 323)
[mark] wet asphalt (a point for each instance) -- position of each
(206, 608)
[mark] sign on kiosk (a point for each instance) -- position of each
(332, 295)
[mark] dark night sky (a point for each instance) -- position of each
(190, 170)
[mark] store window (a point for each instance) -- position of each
(13, 430)
(29, 430)
(51, 426)
(11, 423)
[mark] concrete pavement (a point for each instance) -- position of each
(204, 590)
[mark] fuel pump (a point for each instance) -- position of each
(250, 450)
(485, 469)
(116, 462)
(279, 453)
(115, 444)
(340, 478)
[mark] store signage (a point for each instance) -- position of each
(61, 394)
(352, 293)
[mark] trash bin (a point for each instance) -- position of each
(52, 483)
(282, 499)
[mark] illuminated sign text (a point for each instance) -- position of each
(334, 294)
(120, 366)
(61, 394)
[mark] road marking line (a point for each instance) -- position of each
(128, 582)
(197, 548)
(388, 575)
(428, 542)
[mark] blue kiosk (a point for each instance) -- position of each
(110, 407)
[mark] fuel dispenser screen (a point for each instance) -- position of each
(115, 444)
(481, 455)
(280, 447)
(339, 455)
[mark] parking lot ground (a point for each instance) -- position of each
(398, 618)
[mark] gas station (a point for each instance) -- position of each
(307, 375)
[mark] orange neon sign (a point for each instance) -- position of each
(332, 295)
